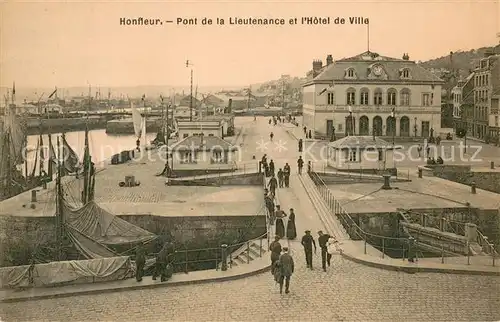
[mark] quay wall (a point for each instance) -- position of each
(486, 180)
(387, 223)
(126, 126)
(22, 236)
(65, 124)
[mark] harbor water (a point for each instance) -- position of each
(102, 146)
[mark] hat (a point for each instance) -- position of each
(277, 237)
(308, 231)
(291, 209)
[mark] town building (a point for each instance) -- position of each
(486, 91)
(201, 154)
(463, 104)
(370, 94)
(361, 154)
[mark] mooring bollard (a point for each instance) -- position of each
(492, 164)
(473, 187)
(33, 195)
(223, 257)
(420, 172)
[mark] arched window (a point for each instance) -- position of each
(351, 96)
(391, 96)
(350, 72)
(405, 97)
(363, 97)
(377, 97)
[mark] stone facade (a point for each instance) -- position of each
(373, 90)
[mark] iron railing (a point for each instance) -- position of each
(385, 244)
(187, 259)
(354, 173)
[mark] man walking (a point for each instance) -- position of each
(273, 184)
(286, 175)
(300, 164)
(308, 243)
(287, 266)
(275, 249)
(323, 244)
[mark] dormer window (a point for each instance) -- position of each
(350, 73)
(404, 73)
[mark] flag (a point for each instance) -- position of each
(53, 93)
(14, 88)
(320, 93)
(143, 97)
(393, 112)
(161, 98)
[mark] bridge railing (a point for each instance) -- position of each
(487, 247)
(359, 173)
(397, 246)
(404, 247)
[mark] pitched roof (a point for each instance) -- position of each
(194, 143)
(362, 142)
(361, 64)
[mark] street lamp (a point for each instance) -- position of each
(189, 64)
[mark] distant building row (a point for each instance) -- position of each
(476, 100)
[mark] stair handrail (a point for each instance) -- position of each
(484, 243)
(347, 220)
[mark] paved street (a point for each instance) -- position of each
(346, 292)
(476, 154)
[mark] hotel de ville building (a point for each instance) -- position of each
(370, 94)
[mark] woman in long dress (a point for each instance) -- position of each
(291, 230)
(280, 226)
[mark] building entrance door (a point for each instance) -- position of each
(425, 129)
(329, 128)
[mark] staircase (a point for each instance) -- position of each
(248, 252)
(327, 216)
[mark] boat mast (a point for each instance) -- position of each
(59, 204)
(86, 156)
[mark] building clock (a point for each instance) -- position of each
(377, 70)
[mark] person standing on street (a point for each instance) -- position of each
(281, 175)
(323, 244)
(300, 164)
(286, 173)
(308, 243)
(287, 266)
(275, 249)
(140, 261)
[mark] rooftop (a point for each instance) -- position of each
(203, 142)
(151, 197)
(421, 193)
(361, 142)
(363, 62)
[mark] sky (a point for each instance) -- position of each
(79, 43)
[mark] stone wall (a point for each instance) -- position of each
(20, 236)
(209, 231)
(387, 224)
(489, 181)
(239, 179)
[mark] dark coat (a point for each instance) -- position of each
(286, 264)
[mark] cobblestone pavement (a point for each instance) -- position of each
(347, 292)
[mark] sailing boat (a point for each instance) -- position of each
(13, 139)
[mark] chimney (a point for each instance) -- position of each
(406, 56)
(329, 60)
(317, 65)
